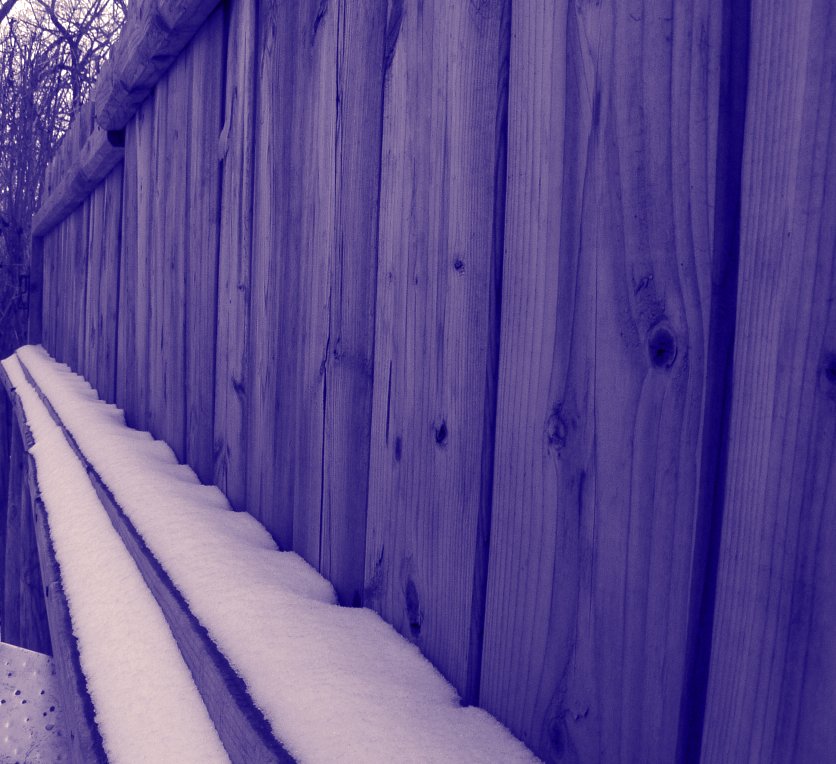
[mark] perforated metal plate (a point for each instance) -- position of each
(30, 719)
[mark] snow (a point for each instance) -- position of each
(146, 704)
(336, 684)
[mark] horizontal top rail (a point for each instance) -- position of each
(100, 153)
(152, 38)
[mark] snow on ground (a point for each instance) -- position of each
(147, 706)
(336, 684)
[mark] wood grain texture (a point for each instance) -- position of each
(151, 41)
(773, 661)
(170, 254)
(293, 225)
(76, 262)
(361, 32)
(236, 153)
(102, 292)
(434, 291)
(92, 163)
(34, 623)
(130, 344)
(205, 91)
(605, 312)
(24, 609)
(167, 204)
(49, 308)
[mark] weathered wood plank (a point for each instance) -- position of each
(293, 226)
(145, 141)
(725, 212)
(50, 299)
(205, 87)
(236, 153)
(34, 624)
(441, 142)
(102, 298)
(68, 277)
(77, 263)
(167, 202)
(99, 155)
(55, 240)
(24, 620)
(150, 43)
(605, 317)
(773, 657)
(361, 32)
(130, 362)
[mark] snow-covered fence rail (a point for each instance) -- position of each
(47, 597)
(447, 299)
(188, 636)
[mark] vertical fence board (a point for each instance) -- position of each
(292, 236)
(166, 257)
(34, 625)
(79, 225)
(435, 266)
(54, 242)
(361, 30)
(50, 297)
(232, 358)
(772, 682)
(205, 77)
(61, 289)
(130, 363)
(102, 298)
(310, 309)
(606, 296)
(144, 136)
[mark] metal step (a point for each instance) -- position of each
(31, 728)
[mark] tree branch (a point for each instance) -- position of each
(6, 8)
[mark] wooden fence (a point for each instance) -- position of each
(515, 319)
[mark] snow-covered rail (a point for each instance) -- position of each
(186, 635)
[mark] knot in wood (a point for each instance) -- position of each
(414, 614)
(661, 345)
(440, 433)
(828, 375)
(556, 429)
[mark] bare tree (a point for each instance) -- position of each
(50, 55)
